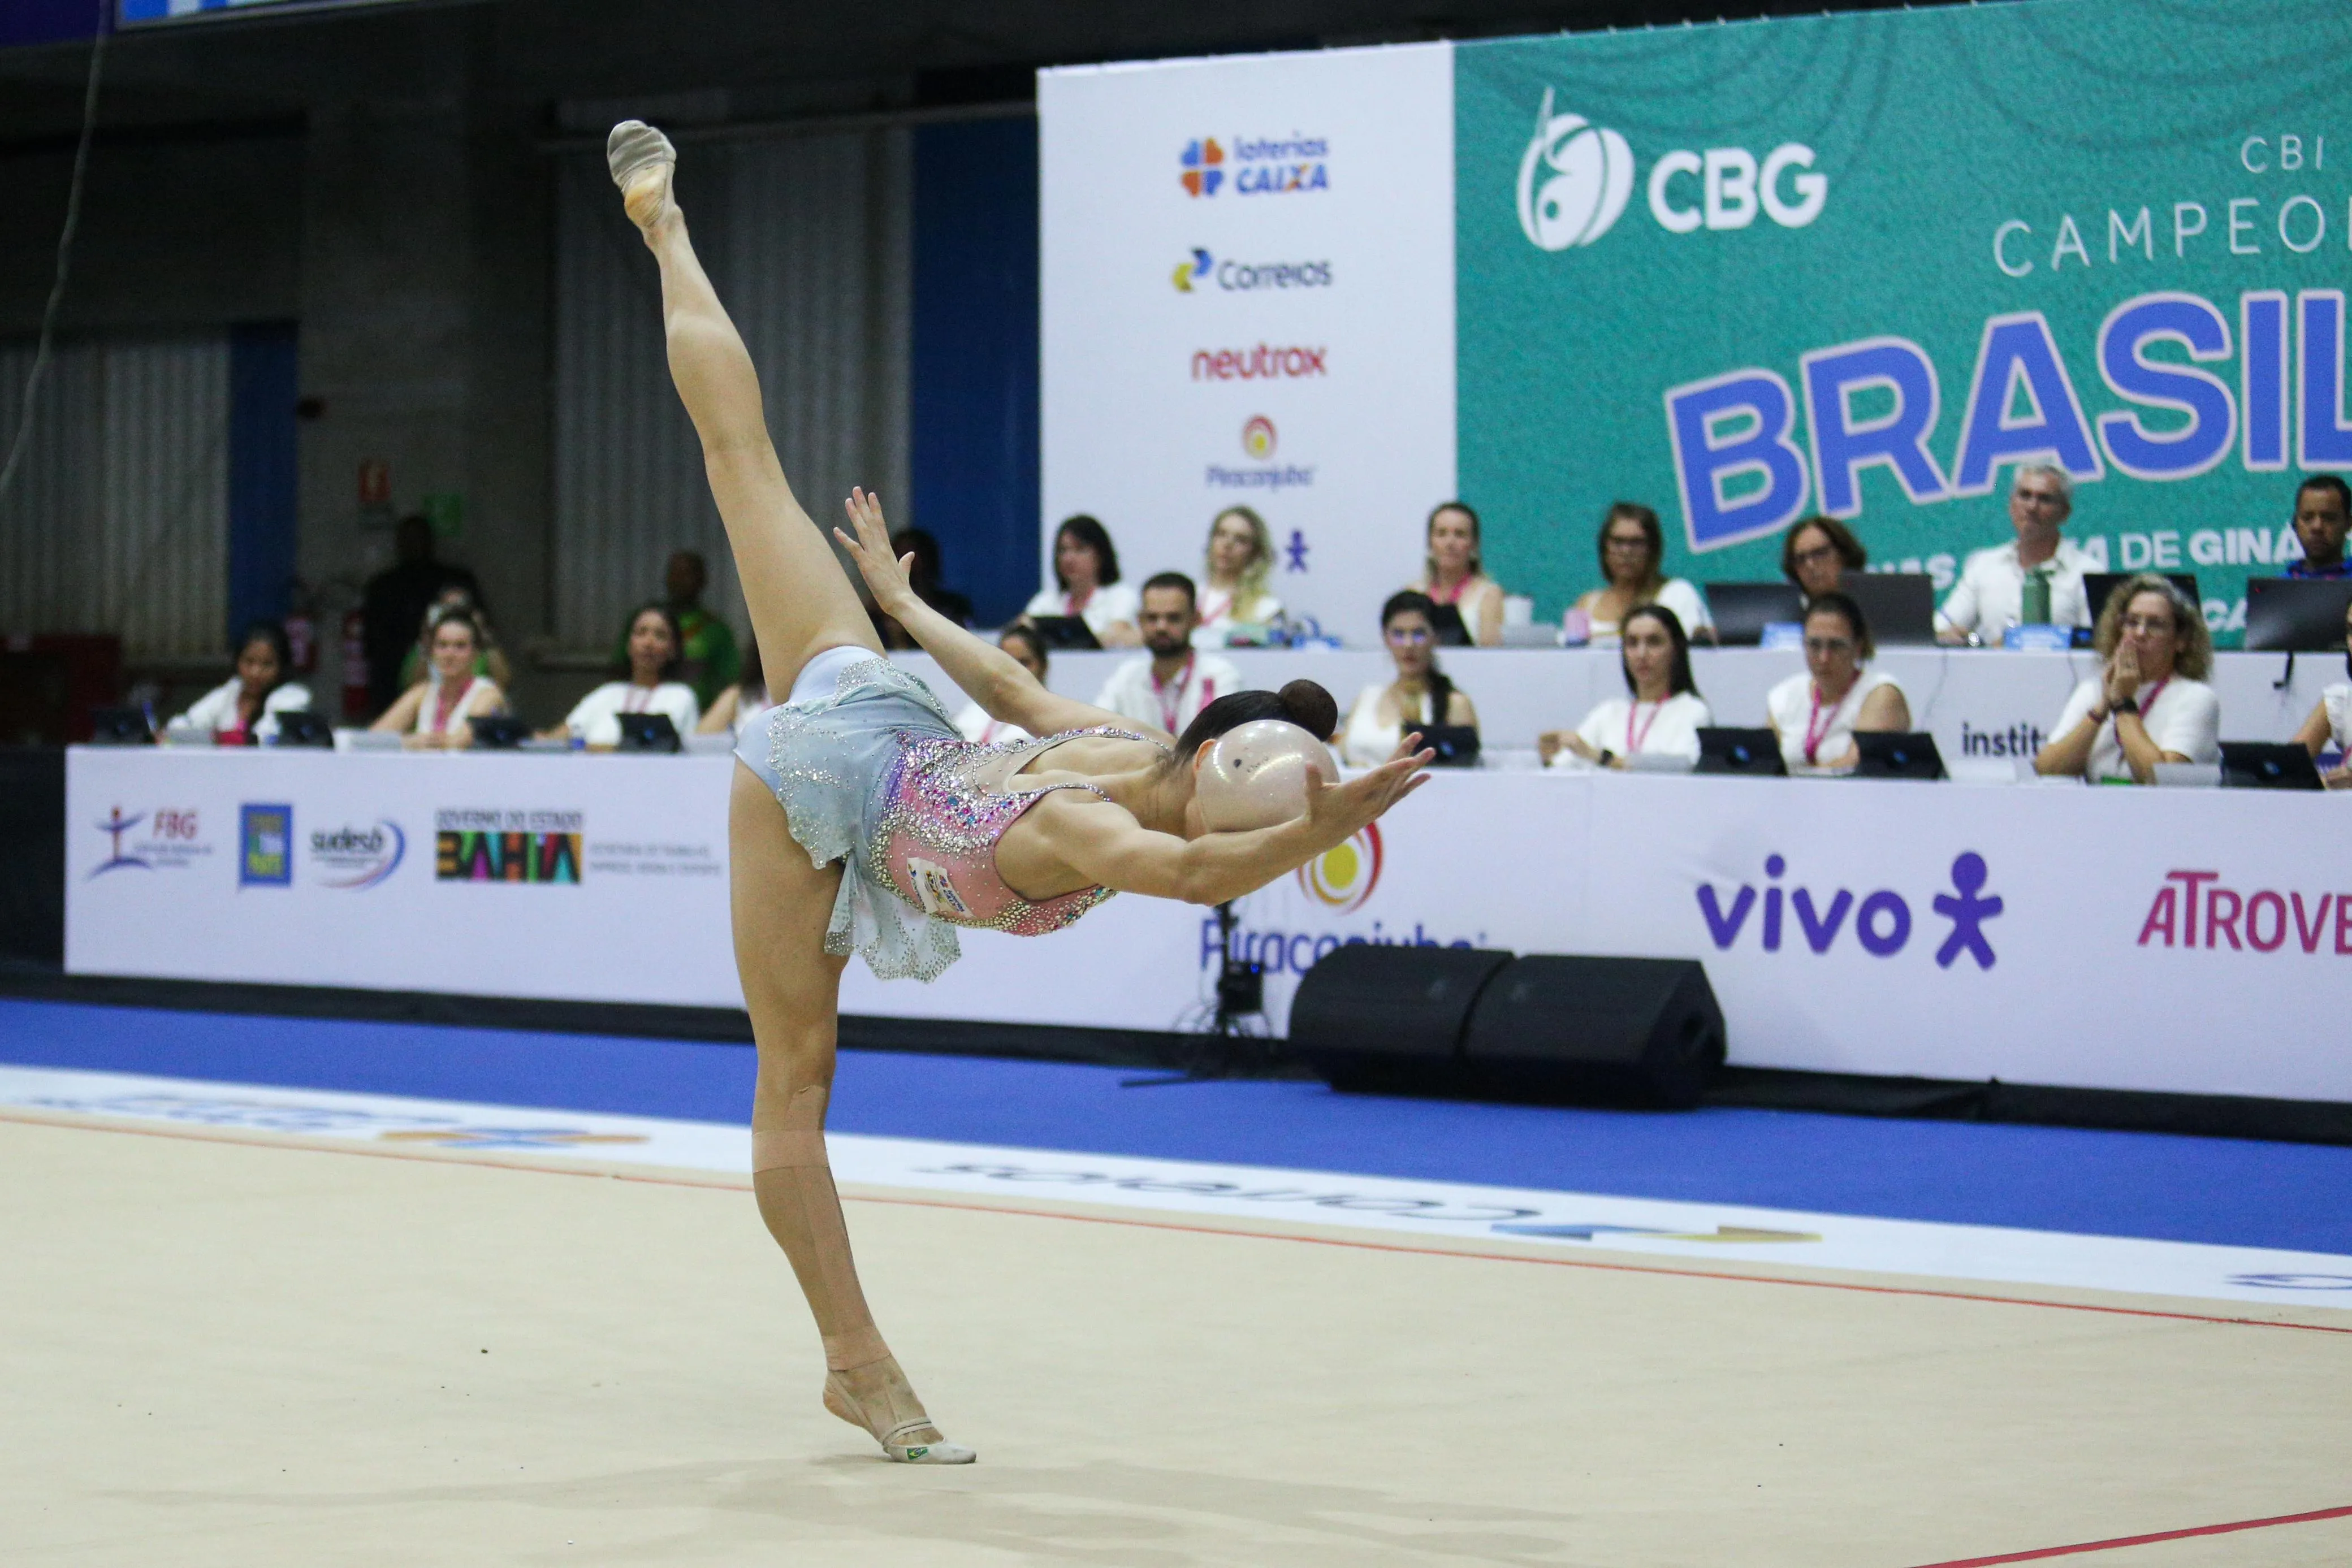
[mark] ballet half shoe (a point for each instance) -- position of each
(635, 151)
(893, 1439)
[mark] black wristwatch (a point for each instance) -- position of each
(2129, 705)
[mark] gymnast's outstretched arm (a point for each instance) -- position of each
(1104, 845)
(988, 675)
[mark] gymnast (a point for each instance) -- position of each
(893, 830)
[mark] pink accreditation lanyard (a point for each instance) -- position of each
(1634, 739)
(1817, 729)
(637, 699)
(1171, 710)
(2147, 704)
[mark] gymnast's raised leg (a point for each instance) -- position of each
(802, 604)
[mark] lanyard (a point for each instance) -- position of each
(638, 700)
(1215, 608)
(1817, 730)
(1169, 711)
(2147, 704)
(444, 704)
(1633, 741)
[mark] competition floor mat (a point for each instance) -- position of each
(256, 1324)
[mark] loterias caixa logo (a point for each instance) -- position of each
(1257, 166)
(479, 844)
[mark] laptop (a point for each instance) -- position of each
(500, 732)
(647, 732)
(1899, 605)
(1457, 745)
(2268, 764)
(1742, 609)
(1755, 752)
(304, 728)
(1886, 754)
(2288, 614)
(1064, 634)
(2098, 585)
(120, 726)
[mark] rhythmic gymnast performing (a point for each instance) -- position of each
(860, 820)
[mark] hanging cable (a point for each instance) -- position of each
(65, 253)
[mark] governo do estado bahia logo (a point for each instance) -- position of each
(1576, 179)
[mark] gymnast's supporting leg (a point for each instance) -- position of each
(801, 604)
(793, 987)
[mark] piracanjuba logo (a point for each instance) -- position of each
(1587, 174)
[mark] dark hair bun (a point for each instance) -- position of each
(1307, 705)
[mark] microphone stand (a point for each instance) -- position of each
(1230, 1047)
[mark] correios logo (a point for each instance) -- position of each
(1342, 878)
(1588, 173)
(1575, 179)
(1197, 270)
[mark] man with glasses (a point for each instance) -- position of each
(2035, 579)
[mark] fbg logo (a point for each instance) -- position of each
(1340, 879)
(1882, 920)
(1587, 177)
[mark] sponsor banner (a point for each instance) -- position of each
(1248, 300)
(1751, 272)
(495, 876)
(1744, 273)
(2060, 935)
(1397, 1210)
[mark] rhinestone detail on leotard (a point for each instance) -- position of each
(935, 843)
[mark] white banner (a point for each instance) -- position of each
(2194, 941)
(1247, 297)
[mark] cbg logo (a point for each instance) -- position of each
(1343, 877)
(1592, 177)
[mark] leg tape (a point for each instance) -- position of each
(781, 1148)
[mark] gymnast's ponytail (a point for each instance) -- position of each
(1303, 702)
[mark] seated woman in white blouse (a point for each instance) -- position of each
(243, 710)
(653, 687)
(439, 710)
(1028, 651)
(1086, 584)
(1420, 697)
(2150, 703)
(1233, 597)
(737, 708)
(1632, 572)
(1816, 714)
(2331, 721)
(1663, 713)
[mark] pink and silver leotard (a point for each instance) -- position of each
(935, 845)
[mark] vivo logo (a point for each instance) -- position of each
(1880, 922)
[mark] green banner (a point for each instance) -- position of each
(1864, 265)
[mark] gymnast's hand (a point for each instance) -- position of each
(1337, 813)
(888, 575)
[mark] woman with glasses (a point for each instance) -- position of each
(2330, 723)
(1817, 715)
(1420, 697)
(1661, 713)
(1818, 553)
(1633, 552)
(2149, 703)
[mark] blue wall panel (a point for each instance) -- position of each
(263, 384)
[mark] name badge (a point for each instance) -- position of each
(936, 890)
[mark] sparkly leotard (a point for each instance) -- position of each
(874, 775)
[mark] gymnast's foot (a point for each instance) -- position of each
(878, 1398)
(641, 161)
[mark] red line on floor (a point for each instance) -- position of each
(2123, 1541)
(724, 1184)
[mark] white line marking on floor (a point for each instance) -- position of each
(1391, 1206)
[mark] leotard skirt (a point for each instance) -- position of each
(830, 753)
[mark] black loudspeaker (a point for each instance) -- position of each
(1390, 1017)
(1615, 1030)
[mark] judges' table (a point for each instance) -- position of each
(2197, 941)
(1978, 703)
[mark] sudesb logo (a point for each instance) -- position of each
(1882, 919)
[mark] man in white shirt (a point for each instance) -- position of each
(1171, 685)
(1991, 596)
